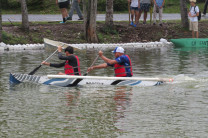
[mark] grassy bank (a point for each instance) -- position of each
(72, 32)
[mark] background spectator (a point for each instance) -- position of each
(205, 8)
(158, 8)
(75, 6)
(63, 5)
(144, 6)
(134, 11)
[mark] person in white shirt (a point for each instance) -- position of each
(134, 11)
(193, 16)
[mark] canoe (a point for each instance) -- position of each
(69, 82)
(190, 42)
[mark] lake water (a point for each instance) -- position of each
(179, 109)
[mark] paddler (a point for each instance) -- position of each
(121, 63)
(71, 64)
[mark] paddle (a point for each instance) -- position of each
(37, 68)
(92, 65)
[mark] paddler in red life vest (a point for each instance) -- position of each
(71, 64)
(121, 63)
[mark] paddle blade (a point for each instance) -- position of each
(35, 70)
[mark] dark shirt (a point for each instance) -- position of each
(72, 61)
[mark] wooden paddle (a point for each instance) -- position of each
(37, 68)
(92, 64)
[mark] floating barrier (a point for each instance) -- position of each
(19, 47)
(162, 43)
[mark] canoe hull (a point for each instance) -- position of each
(18, 78)
(190, 42)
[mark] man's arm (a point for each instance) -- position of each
(53, 65)
(104, 65)
(139, 4)
(107, 60)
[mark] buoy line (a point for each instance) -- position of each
(162, 43)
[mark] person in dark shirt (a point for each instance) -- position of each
(121, 63)
(71, 64)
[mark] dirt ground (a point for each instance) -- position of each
(72, 32)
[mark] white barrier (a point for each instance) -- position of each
(162, 43)
(19, 47)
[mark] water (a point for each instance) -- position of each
(172, 110)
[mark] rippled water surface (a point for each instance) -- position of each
(178, 109)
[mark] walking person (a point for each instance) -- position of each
(75, 6)
(144, 6)
(158, 8)
(193, 16)
(63, 5)
(134, 11)
(205, 8)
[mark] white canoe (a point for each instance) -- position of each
(76, 81)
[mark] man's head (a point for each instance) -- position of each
(118, 51)
(192, 2)
(69, 50)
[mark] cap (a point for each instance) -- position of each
(118, 49)
(192, 1)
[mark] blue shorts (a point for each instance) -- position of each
(144, 7)
(134, 8)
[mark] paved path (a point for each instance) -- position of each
(57, 17)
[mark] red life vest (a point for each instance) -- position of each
(70, 70)
(120, 70)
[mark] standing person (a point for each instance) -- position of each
(144, 6)
(71, 64)
(75, 6)
(134, 11)
(193, 13)
(205, 8)
(63, 5)
(158, 7)
(121, 63)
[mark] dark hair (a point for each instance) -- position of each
(70, 50)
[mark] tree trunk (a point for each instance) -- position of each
(109, 13)
(184, 14)
(25, 22)
(90, 12)
(0, 22)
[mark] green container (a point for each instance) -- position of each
(190, 42)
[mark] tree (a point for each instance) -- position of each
(90, 12)
(109, 13)
(25, 21)
(0, 22)
(184, 14)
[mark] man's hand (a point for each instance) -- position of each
(78, 1)
(100, 53)
(89, 69)
(59, 49)
(45, 63)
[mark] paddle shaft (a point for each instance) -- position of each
(37, 68)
